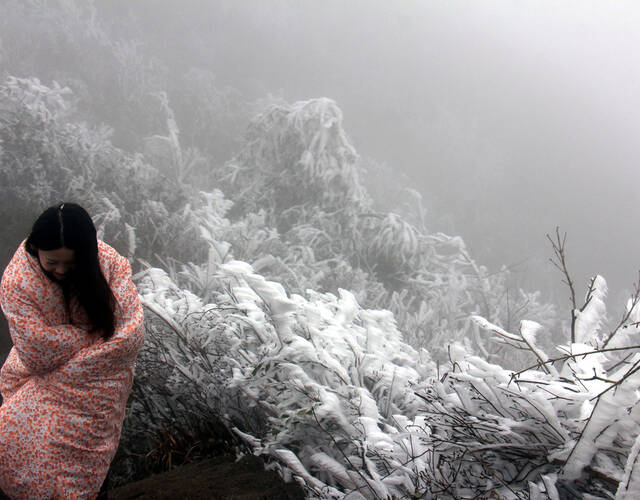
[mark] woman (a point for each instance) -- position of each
(75, 319)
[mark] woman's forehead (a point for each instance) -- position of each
(60, 254)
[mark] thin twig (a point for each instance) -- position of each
(561, 263)
(568, 356)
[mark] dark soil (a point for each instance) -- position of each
(218, 478)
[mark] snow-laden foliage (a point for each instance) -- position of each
(298, 173)
(296, 155)
(590, 318)
(45, 157)
(428, 280)
(317, 378)
(332, 394)
(593, 389)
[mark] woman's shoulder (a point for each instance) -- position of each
(18, 265)
(22, 272)
(107, 252)
(110, 260)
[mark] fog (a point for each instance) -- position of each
(511, 118)
(282, 302)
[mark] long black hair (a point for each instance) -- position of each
(68, 225)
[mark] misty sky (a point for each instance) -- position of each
(511, 117)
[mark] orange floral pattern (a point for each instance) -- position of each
(64, 390)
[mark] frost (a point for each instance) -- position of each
(347, 308)
(237, 267)
(325, 462)
(589, 320)
(629, 487)
(296, 467)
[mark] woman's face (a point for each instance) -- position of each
(57, 263)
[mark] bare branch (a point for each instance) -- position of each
(560, 262)
(568, 356)
(589, 296)
(634, 368)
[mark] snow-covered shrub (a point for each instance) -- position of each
(295, 155)
(111, 75)
(46, 157)
(315, 380)
(299, 174)
(334, 396)
(591, 391)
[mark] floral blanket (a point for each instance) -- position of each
(64, 390)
